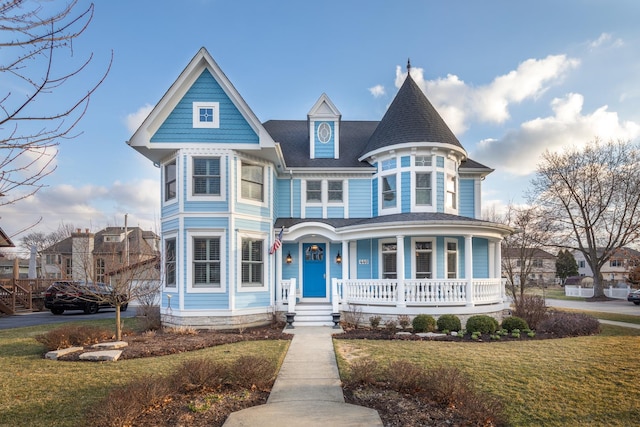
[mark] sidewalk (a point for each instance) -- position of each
(307, 391)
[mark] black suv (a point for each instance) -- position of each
(90, 297)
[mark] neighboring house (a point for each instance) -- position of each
(7, 268)
(381, 217)
(542, 270)
(89, 256)
(616, 269)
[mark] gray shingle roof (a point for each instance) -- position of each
(410, 118)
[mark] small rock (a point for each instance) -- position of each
(403, 333)
(102, 356)
(54, 355)
(113, 345)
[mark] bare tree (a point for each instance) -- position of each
(591, 198)
(521, 250)
(33, 121)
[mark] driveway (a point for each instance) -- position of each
(46, 317)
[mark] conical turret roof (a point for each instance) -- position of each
(410, 118)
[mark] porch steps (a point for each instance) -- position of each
(313, 315)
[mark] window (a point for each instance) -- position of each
(452, 259)
(335, 191)
(616, 263)
(423, 160)
(170, 181)
(314, 191)
(252, 182)
(100, 270)
(389, 268)
(424, 256)
(581, 264)
(206, 115)
(68, 270)
(423, 188)
(389, 191)
(314, 253)
(170, 263)
(206, 262)
(206, 176)
(388, 164)
(537, 263)
(252, 264)
(451, 192)
(53, 259)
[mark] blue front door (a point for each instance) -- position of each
(314, 282)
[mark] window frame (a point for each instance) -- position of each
(101, 270)
(414, 255)
(191, 236)
(245, 287)
(384, 252)
(394, 190)
(330, 191)
(215, 117)
(166, 262)
(223, 179)
(451, 197)
(166, 183)
(264, 182)
(447, 252)
(319, 191)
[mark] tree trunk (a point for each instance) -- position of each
(118, 328)
(598, 288)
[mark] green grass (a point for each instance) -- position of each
(39, 392)
(585, 381)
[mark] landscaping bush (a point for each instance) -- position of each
(250, 371)
(73, 335)
(531, 308)
(423, 323)
(200, 374)
(374, 321)
(362, 371)
(564, 324)
(404, 321)
(482, 324)
(449, 322)
(405, 377)
(391, 325)
(514, 322)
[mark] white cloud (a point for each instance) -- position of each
(134, 120)
(605, 40)
(377, 91)
(89, 206)
(459, 103)
(518, 151)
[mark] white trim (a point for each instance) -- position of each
(265, 259)
(397, 208)
(477, 192)
(214, 123)
(191, 234)
(223, 179)
(265, 187)
(163, 273)
(163, 179)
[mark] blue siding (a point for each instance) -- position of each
(206, 222)
(290, 271)
(208, 206)
(172, 225)
(359, 198)
(462, 274)
(440, 250)
(335, 212)
(313, 212)
(480, 258)
(205, 301)
(253, 299)
(252, 225)
(405, 179)
(297, 203)
(324, 151)
(467, 198)
(178, 127)
(407, 258)
(335, 269)
(374, 196)
(276, 191)
(283, 200)
(169, 210)
(364, 251)
(440, 161)
(440, 191)
(405, 161)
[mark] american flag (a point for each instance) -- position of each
(277, 243)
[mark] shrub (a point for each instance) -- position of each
(405, 377)
(73, 335)
(249, 371)
(564, 324)
(199, 374)
(514, 322)
(531, 308)
(362, 371)
(391, 325)
(374, 321)
(449, 322)
(404, 321)
(482, 323)
(423, 323)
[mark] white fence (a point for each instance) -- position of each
(611, 292)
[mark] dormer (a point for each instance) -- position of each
(324, 129)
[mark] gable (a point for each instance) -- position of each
(232, 127)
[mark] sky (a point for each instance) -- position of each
(511, 79)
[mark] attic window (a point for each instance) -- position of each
(206, 114)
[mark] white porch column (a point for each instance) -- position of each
(492, 259)
(278, 268)
(498, 267)
(400, 271)
(468, 267)
(345, 259)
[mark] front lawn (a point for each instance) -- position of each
(573, 381)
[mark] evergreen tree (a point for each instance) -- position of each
(566, 265)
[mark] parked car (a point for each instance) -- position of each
(634, 297)
(87, 296)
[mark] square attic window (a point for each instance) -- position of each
(206, 115)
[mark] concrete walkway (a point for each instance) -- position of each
(307, 391)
